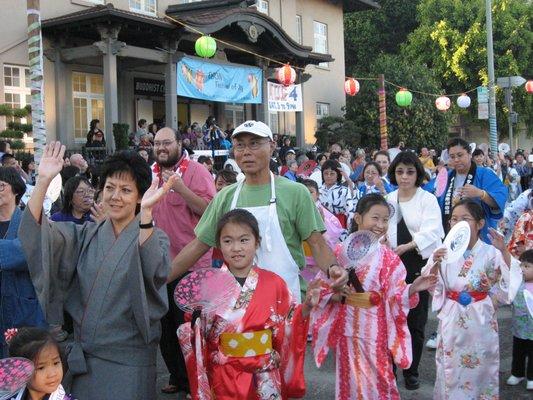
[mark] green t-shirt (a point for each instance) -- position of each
(297, 214)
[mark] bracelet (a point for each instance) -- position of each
(483, 195)
(147, 225)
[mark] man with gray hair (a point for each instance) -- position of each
(292, 166)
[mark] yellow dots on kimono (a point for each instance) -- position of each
(247, 344)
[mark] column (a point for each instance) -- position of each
(171, 88)
(61, 76)
(300, 118)
(110, 47)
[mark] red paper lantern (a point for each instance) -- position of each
(286, 75)
(529, 86)
(443, 103)
(351, 86)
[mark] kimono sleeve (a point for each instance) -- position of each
(438, 292)
(495, 189)
(397, 304)
(12, 256)
(52, 251)
(510, 279)
(152, 302)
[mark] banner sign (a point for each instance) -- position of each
(148, 87)
(219, 82)
(482, 102)
(284, 98)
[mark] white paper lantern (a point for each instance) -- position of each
(463, 101)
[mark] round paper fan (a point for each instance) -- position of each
(392, 209)
(306, 168)
(356, 246)
(206, 289)
(441, 182)
(15, 373)
(456, 241)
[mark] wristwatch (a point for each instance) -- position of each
(147, 225)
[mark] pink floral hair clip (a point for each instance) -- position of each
(10, 334)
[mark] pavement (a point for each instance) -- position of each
(321, 383)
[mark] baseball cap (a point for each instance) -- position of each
(291, 151)
(256, 128)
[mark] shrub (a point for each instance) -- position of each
(6, 110)
(120, 133)
(12, 134)
(17, 144)
(20, 113)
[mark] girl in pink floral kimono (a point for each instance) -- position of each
(368, 340)
(467, 338)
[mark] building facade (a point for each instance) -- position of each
(116, 62)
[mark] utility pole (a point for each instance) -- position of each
(493, 130)
(35, 56)
(382, 113)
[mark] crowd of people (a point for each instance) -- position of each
(93, 273)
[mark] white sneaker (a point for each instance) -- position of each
(432, 341)
(513, 380)
(529, 385)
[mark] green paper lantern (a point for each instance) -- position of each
(205, 46)
(404, 98)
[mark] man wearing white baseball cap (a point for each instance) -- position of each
(285, 211)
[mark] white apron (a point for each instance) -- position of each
(273, 254)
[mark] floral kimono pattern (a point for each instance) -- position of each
(468, 354)
(340, 201)
(367, 340)
(522, 236)
(264, 304)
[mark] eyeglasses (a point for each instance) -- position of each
(253, 145)
(164, 143)
(85, 192)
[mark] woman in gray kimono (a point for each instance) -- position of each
(109, 276)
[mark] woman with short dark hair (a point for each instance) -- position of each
(109, 277)
(18, 302)
(78, 198)
(95, 136)
(415, 231)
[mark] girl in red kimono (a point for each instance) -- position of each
(367, 341)
(255, 349)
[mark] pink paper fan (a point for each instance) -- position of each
(356, 247)
(15, 372)
(441, 182)
(208, 289)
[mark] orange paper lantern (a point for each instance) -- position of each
(529, 86)
(286, 75)
(351, 87)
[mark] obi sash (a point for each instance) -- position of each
(464, 298)
(246, 344)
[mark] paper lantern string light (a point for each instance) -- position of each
(529, 86)
(205, 46)
(351, 86)
(463, 101)
(443, 103)
(286, 75)
(404, 98)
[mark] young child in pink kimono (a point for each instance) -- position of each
(368, 340)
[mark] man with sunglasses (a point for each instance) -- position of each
(285, 211)
(177, 215)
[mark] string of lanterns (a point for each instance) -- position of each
(206, 47)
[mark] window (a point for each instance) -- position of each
(321, 39)
(234, 114)
(322, 110)
(144, 6)
(273, 121)
(262, 6)
(17, 92)
(299, 35)
(88, 102)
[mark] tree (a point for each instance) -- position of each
(421, 124)
(451, 41)
(374, 32)
(336, 130)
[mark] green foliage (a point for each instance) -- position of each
(28, 108)
(6, 110)
(451, 41)
(370, 33)
(17, 126)
(336, 130)
(20, 112)
(421, 124)
(17, 144)
(120, 133)
(12, 134)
